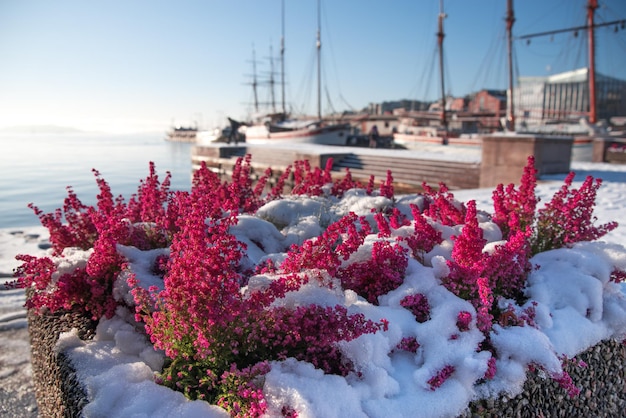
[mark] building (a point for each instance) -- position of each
(488, 101)
(564, 97)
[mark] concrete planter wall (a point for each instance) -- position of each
(603, 152)
(603, 381)
(505, 156)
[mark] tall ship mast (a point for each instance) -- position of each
(440, 36)
(277, 128)
(590, 28)
(510, 108)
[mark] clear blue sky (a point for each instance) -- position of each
(131, 65)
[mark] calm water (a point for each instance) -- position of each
(37, 168)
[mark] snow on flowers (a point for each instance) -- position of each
(336, 294)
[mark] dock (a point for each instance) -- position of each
(410, 168)
(499, 160)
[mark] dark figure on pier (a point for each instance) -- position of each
(234, 131)
(374, 137)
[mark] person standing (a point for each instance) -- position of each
(373, 136)
(234, 131)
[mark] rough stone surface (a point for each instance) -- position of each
(602, 382)
(58, 391)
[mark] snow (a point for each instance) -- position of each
(576, 304)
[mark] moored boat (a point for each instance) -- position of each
(298, 131)
(282, 127)
(182, 134)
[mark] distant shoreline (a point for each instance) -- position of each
(41, 129)
(65, 130)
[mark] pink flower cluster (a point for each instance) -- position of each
(418, 305)
(89, 289)
(409, 344)
(203, 318)
(425, 236)
(441, 206)
(514, 209)
(241, 391)
(220, 339)
(568, 217)
(440, 377)
(382, 273)
(479, 277)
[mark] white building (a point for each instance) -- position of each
(564, 97)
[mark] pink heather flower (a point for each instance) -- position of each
(288, 412)
(370, 186)
(508, 266)
(466, 263)
(442, 207)
(242, 195)
(325, 252)
(479, 277)
(309, 182)
(618, 276)
(244, 396)
(384, 231)
(509, 316)
(468, 247)
(486, 301)
(340, 186)
(440, 377)
(78, 230)
(418, 305)
(568, 217)
(565, 381)
(277, 190)
(386, 187)
(381, 274)
(160, 265)
(463, 320)
(514, 210)
(408, 344)
(424, 237)
(149, 204)
(397, 219)
(491, 369)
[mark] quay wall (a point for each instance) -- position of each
(502, 160)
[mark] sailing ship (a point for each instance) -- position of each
(280, 127)
(410, 132)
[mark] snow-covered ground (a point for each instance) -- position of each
(17, 397)
(387, 378)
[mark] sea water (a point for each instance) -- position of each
(38, 168)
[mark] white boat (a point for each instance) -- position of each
(181, 134)
(280, 127)
(317, 131)
(205, 137)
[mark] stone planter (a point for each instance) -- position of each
(58, 392)
(602, 382)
